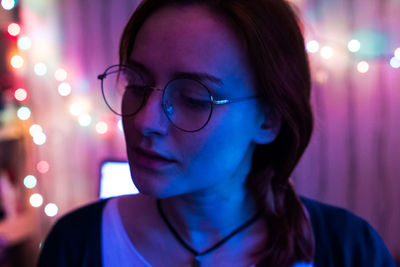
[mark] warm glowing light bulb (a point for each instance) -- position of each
(363, 66)
(395, 62)
(36, 200)
(64, 89)
(35, 129)
(60, 75)
(40, 69)
(20, 95)
(39, 139)
(43, 166)
(84, 120)
(354, 46)
(326, 52)
(312, 46)
(75, 109)
(101, 127)
(14, 29)
(51, 209)
(24, 42)
(17, 62)
(30, 181)
(24, 113)
(397, 53)
(8, 4)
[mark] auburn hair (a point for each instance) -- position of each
(275, 48)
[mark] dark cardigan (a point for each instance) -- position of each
(341, 239)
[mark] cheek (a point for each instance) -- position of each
(219, 150)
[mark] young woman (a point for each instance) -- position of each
(215, 103)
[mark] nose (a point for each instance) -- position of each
(151, 119)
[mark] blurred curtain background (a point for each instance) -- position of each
(353, 160)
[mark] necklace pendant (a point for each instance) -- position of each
(195, 263)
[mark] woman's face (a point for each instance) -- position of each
(164, 160)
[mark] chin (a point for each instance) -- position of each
(151, 185)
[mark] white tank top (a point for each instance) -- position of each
(116, 248)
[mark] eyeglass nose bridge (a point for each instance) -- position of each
(168, 110)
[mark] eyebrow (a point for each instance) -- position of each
(199, 76)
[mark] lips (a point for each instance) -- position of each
(150, 159)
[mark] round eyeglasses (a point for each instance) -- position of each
(187, 103)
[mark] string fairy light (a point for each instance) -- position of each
(24, 43)
(397, 53)
(354, 46)
(17, 62)
(36, 200)
(30, 181)
(101, 127)
(8, 4)
(20, 95)
(326, 52)
(60, 75)
(14, 29)
(363, 66)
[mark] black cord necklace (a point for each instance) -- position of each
(196, 253)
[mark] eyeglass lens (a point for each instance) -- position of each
(187, 103)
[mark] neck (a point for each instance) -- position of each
(204, 220)
(206, 216)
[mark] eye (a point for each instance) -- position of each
(192, 95)
(194, 101)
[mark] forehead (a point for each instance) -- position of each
(190, 38)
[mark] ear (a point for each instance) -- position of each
(269, 127)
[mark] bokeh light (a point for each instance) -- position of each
(363, 66)
(30, 181)
(24, 113)
(17, 62)
(35, 129)
(8, 4)
(312, 46)
(43, 166)
(60, 75)
(39, 139)
(101, 127)
(354, 46)
(64, 89)
(24, 42)
(36, 200)
(14, 29)
(20, 95)
(84, 120)
(51, 209)
(326, 52)
(397, 53)
(395, 62)
(75, 109)
(40, 69)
